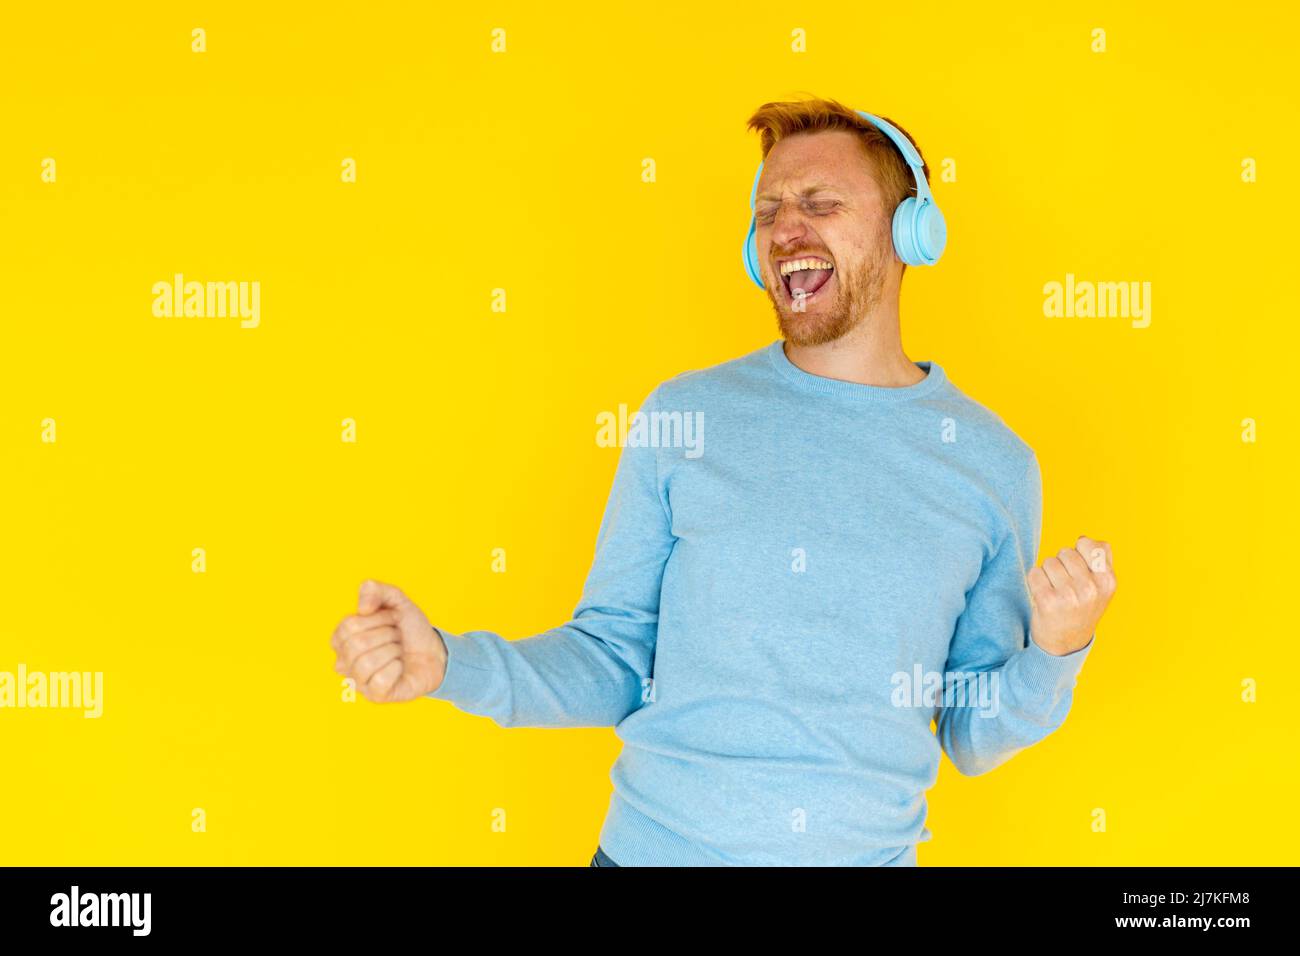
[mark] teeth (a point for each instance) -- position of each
(797, 264)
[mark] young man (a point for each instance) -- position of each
(773, 619)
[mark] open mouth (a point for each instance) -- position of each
(803, 278)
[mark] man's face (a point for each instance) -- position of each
(818, 199)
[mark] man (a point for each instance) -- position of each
(766, 622)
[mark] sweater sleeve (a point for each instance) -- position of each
(594, 670)
(1031, 690)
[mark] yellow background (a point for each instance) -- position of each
(522, 171)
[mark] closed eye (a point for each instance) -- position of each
(767, 214)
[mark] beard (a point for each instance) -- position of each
(857, 293)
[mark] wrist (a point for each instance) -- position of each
(440, 655)
(1060, 648)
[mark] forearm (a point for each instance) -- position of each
(1031, 694)
(565, 677)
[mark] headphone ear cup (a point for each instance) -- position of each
(931, 233)
(904, 232)
(920, 232)
(749, 253)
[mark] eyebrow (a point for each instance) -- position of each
(806, 191)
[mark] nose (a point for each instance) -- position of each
(789, 223)
(788, 227)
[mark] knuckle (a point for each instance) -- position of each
(370, 640)
(373, 661)
(371, 669)
(352, 654)
(368, 657)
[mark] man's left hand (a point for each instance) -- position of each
(1070, 593)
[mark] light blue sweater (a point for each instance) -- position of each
(771, 595)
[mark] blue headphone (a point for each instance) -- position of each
(919, 230)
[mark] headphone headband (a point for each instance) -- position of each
(910, 155)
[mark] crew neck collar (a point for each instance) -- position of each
(855, 390)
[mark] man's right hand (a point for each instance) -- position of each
(388, 647)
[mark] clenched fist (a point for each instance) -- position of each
(388, 647)
(1070, 593)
